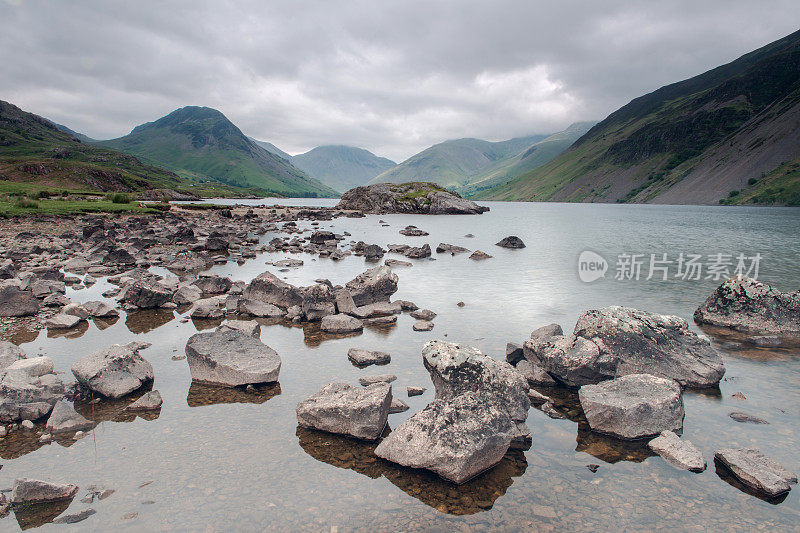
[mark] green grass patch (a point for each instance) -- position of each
(22, 206)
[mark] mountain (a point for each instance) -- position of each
(529, 158)
(202, 144)
(271, 148)
(453, 163)
(83, 138)
(342, 167)
(730, 135)
(34, 150)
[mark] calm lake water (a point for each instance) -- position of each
(220, 460)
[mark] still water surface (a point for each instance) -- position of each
(221, 460)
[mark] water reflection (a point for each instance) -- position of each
(201, 394)
(105, 323)
(147, 320)
(35, 515)
(101, 409)
(203, 324)
(313, 336)
(478, 494)
(604, 447)
(71, 333)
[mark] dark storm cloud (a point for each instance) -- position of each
(391, 76)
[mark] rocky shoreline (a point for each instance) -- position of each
(627, 369)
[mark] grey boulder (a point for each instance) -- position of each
(457, 439)
(756, 470)
(114, 371)
(633, 406)
(747, 305)
(150, 401)
(512, 241)
(147, 294)
(9, 353)
(341, 408)
(375, 285)
(341, 323)
(231, 358)
(616, 341)
(362, 357)
(27, 490)
(678, 452)
(268, 288)
(99, 309)
(64, 419)
(16, 302)
(29, 389)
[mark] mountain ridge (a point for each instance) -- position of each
(342, 167)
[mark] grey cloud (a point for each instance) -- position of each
(391, 76)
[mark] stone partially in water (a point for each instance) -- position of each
(99, 309)
(64, 419)
(633, 406)
(231, 358)
(114, 371)
(269, 289)
(62, 321)
(744, 304)
(756, 470)
(477, 255)
(414, 197)
(16, 302)
(341, 408)
(9, 353)
(248, 327)
(147, 294)
(29, 389)
(28, 490)
(423, 314)
(616, 341)
(150, 401)
(535, 374)
(362, 357)
(457, 439)
(341, 324)
(511, 241)
(678, 452)
(375, 285)
(422, 325)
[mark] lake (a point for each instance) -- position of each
(221, 460)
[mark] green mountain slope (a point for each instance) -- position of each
(694, 141)
(83, 138)
(271, 148)
(202, 144)
(342, 167)
(529, 158)
(34, 150)
(453, 163)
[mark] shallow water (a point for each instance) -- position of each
(218, 460)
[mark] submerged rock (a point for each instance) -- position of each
(231, 358)
(617, 341)
(477, 255)
(422, 325)
(114, 371)
(678, 452)
(34, 491)
(341, 408)
(457, 439)
(633, 406)
(756, 470)
(62, 321)
(746, 305)
(414, 197)
(29, 389)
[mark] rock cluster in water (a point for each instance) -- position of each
(417, 197)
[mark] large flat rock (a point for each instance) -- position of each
(347, 410)
(231, 358)
(756, 470)
(114, 371)
(633, 406)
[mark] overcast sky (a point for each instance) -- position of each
(390, 76)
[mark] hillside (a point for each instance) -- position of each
(453, 163)
(34, 150)
(271, 148)
(529, 158)
(696, 141)
(342, 167)
(202, 144)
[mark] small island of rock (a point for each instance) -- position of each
(416, 197)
